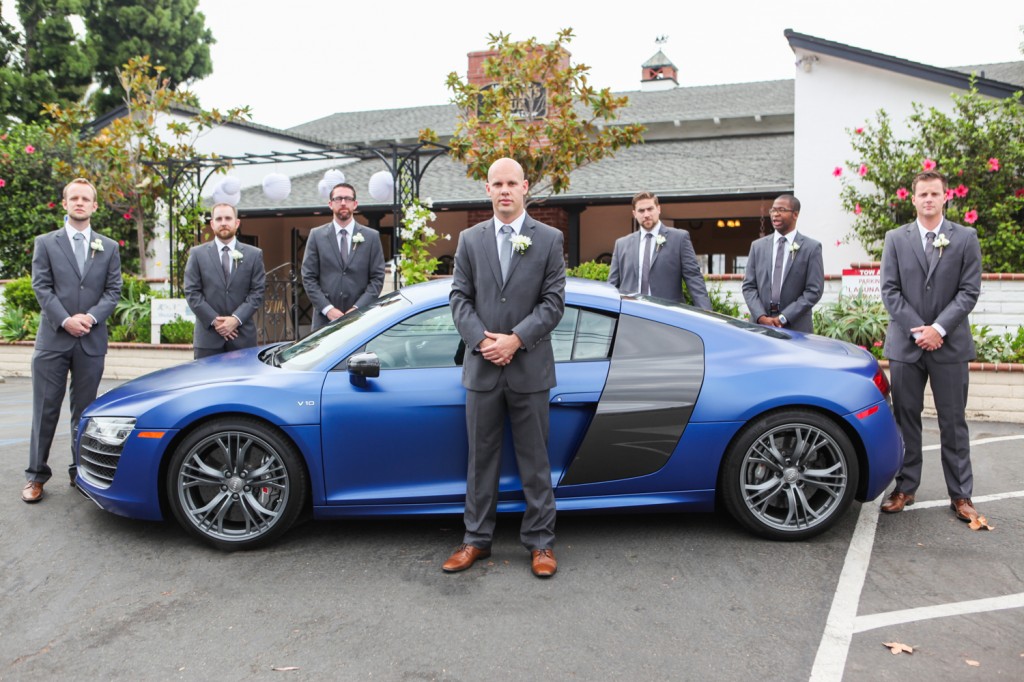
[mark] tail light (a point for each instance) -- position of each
(882, 383)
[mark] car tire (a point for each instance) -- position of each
(789, 475)
(236, 483)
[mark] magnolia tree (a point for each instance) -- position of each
(980, 149)
(538, 109)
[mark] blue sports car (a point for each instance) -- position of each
(657, 406)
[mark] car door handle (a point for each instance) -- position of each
(576, 398)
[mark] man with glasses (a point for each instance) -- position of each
(785, 273)
(343, 268)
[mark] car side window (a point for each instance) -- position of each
(427, 339)
(583, 335)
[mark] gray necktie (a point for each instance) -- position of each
(80, 252)
(343, 245)
(929, 248)
(505, 250)
(645, 270)
(780, 257)
(225, 261)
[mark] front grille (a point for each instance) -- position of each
(97, 461)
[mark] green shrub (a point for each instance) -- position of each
(19, 293)
(723, 304)
(857, 319)
(132, 313)
(590, 270)
(178, 331)
(989, 347)
(18, 325)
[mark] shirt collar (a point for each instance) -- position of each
(924, 230)
(517, 224)
(232, 245)
(350, 226)
(656, 230)
(71, 232)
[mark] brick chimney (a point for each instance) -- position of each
(658, 73)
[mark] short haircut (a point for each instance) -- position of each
(80, 181)
(224, 203)
(342, 184)
(929, 175)
(794, 203)
(641, 196)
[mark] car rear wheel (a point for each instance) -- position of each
(236, 484)
(790, 475)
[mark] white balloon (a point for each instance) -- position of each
(277, 187)
(335, 177)
(231, 185)
(323, 188)
(222, 197)
(382, 186)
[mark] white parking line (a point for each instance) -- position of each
(931, 504)
(880, 620)
(843, 621)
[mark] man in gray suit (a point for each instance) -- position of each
(224, 283)
(343, 268)
(76, 275)
(931, 278)
(655, 260)
(785, 273)
(508, 294)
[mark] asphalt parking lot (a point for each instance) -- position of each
(88, 595)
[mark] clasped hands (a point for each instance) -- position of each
(78, 325)
(928, 337)
(226, 326)
(500, 348)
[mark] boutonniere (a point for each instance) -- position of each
(941, 242)
(520, 243)
(794, 247)
(659, 242)
(97, 245)
(236, 255)
(357, 239)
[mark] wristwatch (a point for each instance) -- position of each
(783, 320)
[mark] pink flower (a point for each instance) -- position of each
(877, 344)
(120, 242)
(127, 216)
(3, 183)
(971, 217)
(51, 205)
(902, 194)
(863, 170)
(859, 131)
(949, 194)
(837, 171)
(993, 165)
(857, 209)
(29, 149)
(961, 191)
(1019, 193)
(839, 242)
(928, 164)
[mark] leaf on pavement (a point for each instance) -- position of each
(970, 662)
(897, 648)
(284, 668)
(979, 523)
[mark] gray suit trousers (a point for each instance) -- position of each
(529, 416)
(49, 383)
(949, 389)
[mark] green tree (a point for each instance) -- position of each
(171, 32)
(120, 155)
(538, 109)
(44, 62)
(980, 149)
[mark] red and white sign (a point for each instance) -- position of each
(862, 282)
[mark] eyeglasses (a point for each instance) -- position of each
(341, 200)
(780, 210)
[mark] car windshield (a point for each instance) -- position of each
(327, 341)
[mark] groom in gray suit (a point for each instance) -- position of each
(931, 278)
(785, 273)
(224, 283)
(654, 260)
(343, 267)
(76, 275)
(508, 294)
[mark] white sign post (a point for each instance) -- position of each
(164, 310)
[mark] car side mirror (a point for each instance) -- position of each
(363, 366)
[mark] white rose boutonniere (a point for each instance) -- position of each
(941, 242)
(358, 239)
(236, 255)
(97, 245)
(520, 243)
(659, 242)
(794, 247)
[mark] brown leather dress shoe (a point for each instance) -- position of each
(964, 509)
(544, 563)
(32, 492)
(463, 557)
(896, 502)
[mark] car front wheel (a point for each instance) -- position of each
(236, 483)
(789, 475)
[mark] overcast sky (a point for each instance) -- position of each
(294, 61)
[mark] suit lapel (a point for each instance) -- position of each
(632, 269)
(526, 230)
(490, 247)
(913, 236)
(654, 244)
(792, 255)
(65, 245)
(946, 229)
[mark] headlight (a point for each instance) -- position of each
(110, 430)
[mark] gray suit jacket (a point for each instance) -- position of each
(327, 282)
(63, 292)
(671, 263)
(209, 296)
(530, 303)
(916, 295)
(803, 281)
